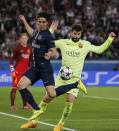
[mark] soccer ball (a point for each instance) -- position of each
(65, 73)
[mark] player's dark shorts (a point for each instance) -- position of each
(35, 75)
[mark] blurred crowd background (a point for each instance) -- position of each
(98, 17)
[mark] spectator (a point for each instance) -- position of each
(95, 15)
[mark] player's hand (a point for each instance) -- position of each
(112, 35)
(54, 25)
(22, 17)
(13, 74)
(47, 56)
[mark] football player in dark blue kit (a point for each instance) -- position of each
(43, 48)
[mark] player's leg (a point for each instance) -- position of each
(48, 80)
(50, 95)
(25, 106)
(71, 95)
(27, 79)
(43, 106)
(13, 94)
(82, 86)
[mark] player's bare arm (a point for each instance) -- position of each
(54, 26)
(27, 26)
(52, 53)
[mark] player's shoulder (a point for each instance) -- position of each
(63, 40)
(85, 42)
(47, 32)
(17, 47)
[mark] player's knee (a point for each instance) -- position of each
(70, 100)
(20, 85)
(52, 94)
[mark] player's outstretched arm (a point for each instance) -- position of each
(104, 46)
(27, 26)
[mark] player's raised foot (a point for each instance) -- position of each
(36, 114)
(28, 125)
(82, 86)
(27, 107)
(58, 127)
(13, 107)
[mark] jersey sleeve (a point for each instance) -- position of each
(102, 48)
(34, 32)
(59, 43)
(12, 58)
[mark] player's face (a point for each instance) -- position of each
(42, 24)
(75, 35)
(23, 40)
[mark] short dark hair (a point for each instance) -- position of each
(77, 27)
(45, 15)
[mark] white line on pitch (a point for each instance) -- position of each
(98, 119)
(6, 114)
(105, 98)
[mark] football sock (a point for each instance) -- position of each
(29, 98)
(65, 88)
(13, 95)
(24, 102)
(43, 107)
(66, 112)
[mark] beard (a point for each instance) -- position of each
(75, 39)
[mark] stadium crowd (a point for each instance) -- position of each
(98, 18)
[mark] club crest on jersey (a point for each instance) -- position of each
(80, 45)
(28, 51)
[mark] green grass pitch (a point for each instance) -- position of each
(98, 111)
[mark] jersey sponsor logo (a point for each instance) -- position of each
(25, 55)
(35, 45)
(73, 53)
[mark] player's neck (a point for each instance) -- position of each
(23, 45)
(42, 30)
(75, 41)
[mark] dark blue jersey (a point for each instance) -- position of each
(41, 42)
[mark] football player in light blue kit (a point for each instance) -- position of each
(74, 52)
